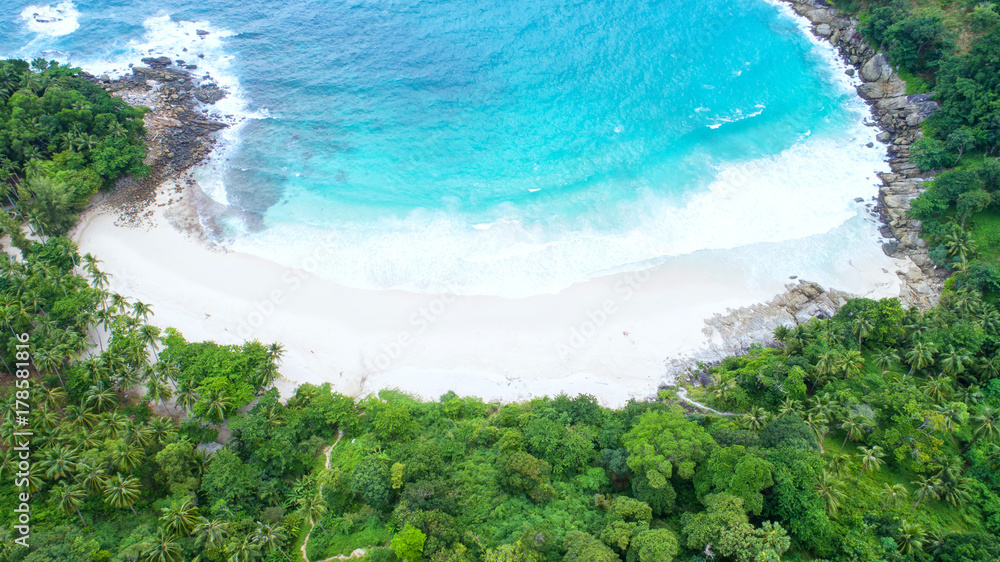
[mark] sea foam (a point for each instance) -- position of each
(54, 21)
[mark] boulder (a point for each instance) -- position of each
(876, 68)
(884, 137)
(823, 30)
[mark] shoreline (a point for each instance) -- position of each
(598, 337)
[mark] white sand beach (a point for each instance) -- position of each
(608, 337)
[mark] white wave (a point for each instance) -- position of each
(807, 190)
(54, 21)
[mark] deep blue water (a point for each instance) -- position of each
(492, 144)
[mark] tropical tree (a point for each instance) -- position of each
(121, 492)
(830, 489)
(871, 460)
(911, 538)
(180, 518)
(853, 430)
(927, 487)
(894, 494)
(70, 497)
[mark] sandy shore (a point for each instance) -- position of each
(608, 337)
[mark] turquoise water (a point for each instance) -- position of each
(497, 147)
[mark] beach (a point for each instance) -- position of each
(610, 337)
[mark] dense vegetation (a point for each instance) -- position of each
(869, 436)
(61, 139)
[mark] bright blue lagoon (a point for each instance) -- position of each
(503, 147)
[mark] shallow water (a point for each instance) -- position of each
(505, 148)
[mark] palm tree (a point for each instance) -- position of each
(938, 388)
(158, 391)
(927, 487)
(853, 429)
(839, 464)
(120, 492)
(819, 424)
(218, 405)
(953, 361)
(313, 508)
(141, 309)
(871, 460)
(862, 326)
(959, 243)
(187, 396)
(893, 494)
(270, 538)
(100, 397)
(986, 424)
(162, 548)
(211, 533)
(911, 539)
(825, 365)
(126, 457)
(46, 360)
(884, 359)
(59, 462)
(94, 478)
(180, 518)
(70, 496)
(850, 362)
(830, 490)
(789, 406)
(755, 419)
(920, 356)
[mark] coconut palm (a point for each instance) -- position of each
(839, 464)
(862, 327)
(830, 489)
(70, 497)
(953, 361)
(187, 396)
(93, 478)
(211, 533)
(100, 397)
(313, 508)
(938, 388)
(59, 462)
(871, 460)
(920, 356)
(927, 487)
(789, 407)
(911, 539)
(180, 518)
(853, 430)
(162, 548)
(218, 405)
(158, 391)
(121, 492)
(819, 424)
(894, 494)
(755, 419)
(270, 538)
(885, 359)
(986, 424)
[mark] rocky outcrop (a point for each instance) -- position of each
(899, 116)
(179, 134)
(735, 331)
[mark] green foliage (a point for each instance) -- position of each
(581, 547)
(408, 544)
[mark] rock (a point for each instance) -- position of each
(854, 59)
(820, 17)
(870, 144)
(859, 199)
(105, 78)
(914, 119)
(877, 67)
(158, 62)
(890, 248)
(823, 30)
(209, 93)
(201, 32)
(884, 137)
(849, 72)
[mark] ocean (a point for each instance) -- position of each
(507, 148)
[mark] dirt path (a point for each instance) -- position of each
(682, 394)
(358, 553)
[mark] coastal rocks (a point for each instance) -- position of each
(876, 68)
(736, 330)
(899, 116)
(179, 134)
(209, 93)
